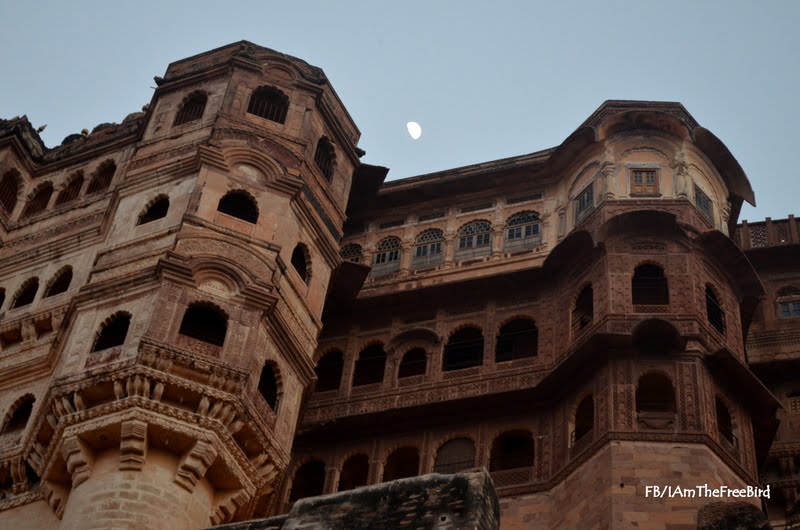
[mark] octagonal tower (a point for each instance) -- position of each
(165, 280)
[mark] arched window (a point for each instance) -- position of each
(155, 209)
(113, 331)
(401, 463)
(268, 386)
(300, 261)
(413, 363)
(59, 283)
(454, 456)
(725, 423)
(239, 204)
(269, 103)
(72, 190)
(517, 339)
(583, 312)
(463, 350)
(9, 188)
(18, 415)
(512, 450)
(370, 366)
(329, 371)
(523, 232)
(351, 252)
(308, 480)
(38, 201)
(788, 302)
(101, 179)
(584, 419)
(191, 108)
(649, 286)
(325, 158)
(428, 249)
(354, 474)
(26, 293)
(387, 256)
(474, 240)
(206, 322)
(714, 312)
(655, 393)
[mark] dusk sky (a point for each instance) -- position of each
(486, 80)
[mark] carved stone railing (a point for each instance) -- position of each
(767, 233)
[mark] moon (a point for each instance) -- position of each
(414, 130)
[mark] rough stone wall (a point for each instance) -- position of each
(445, 502)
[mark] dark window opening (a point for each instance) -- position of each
(71, 192)
(655, 393)
(454, 456)
(204, 322)
(584, 419)
(26, 293)
(19, 418)
(512, 450)
(101, 179)
(155, 210)
(583, 313)
(308, 481)
(325, 158)
(113, 332)
(60, 284)
(39, 201)
(414, 363)
(714, 312)
(192, 108)
(649, 286)
(351, 253)
(269, 103)
(517, 339)
(9, 188)
(724, 422)
(2, 297)
(300, 261)
(329, 371)
(268, 386)
(370, 366)
(354, 473)
(463, 350)
(402, 463)
(239, 204)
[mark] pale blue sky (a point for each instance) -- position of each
(485, 79)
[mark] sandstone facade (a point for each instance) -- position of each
(215, 309)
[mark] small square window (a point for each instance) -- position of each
(644, 182)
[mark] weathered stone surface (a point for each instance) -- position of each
(458, 501)
(731, 516)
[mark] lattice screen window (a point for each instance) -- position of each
(758, 235)
(388, 250)
(429, 243)
(584, 203)
(351, 252)
(475, 234)
(523, 225)
(794, 405)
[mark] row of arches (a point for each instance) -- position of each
(26, 293)
(39, 198)
(655, 395)
(512, 449)
(516, 339)
(269, 103)
(202, 321)
(474, 239)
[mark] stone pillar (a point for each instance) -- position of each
(111, 497)
(449, 250)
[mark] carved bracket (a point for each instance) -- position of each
(194, 463)
(133, 445)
